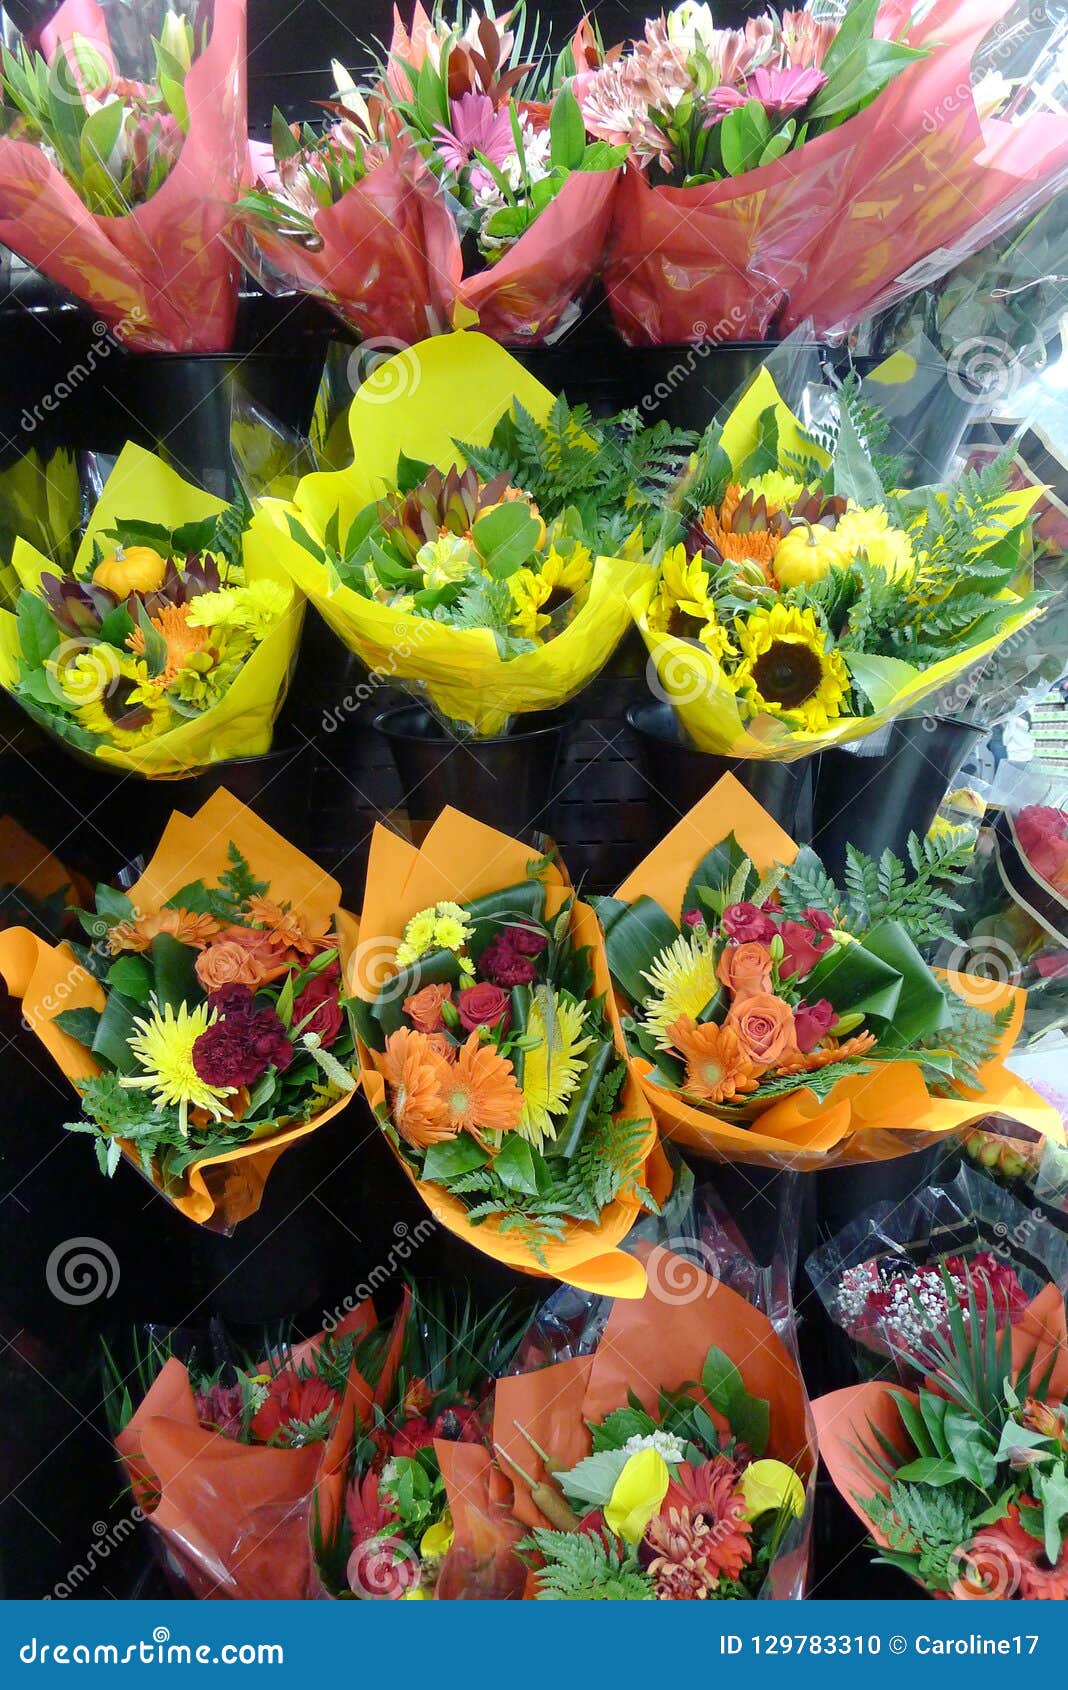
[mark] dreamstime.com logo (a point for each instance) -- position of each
(82, 1270)
(155, 1651)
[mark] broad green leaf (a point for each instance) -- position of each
(444, 1162)
(567, 131)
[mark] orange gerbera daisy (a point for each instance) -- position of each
(416, 1074)
(185, 926)
(826, 1053)
(480, 1090)
(289, 928)
(180, 639)
(716, 1067)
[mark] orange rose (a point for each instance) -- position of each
(745, 970)
(243, 957)
(423, 1009)
(764, 1026)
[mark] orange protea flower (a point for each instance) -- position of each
(289, 928)
(831, 1050)
(480, 1090)
(183, 925)
(181, 640)
(416, 1074)
(716, 1068)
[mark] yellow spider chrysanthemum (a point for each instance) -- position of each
(683, 587)
(779, 490)
(786, 669)
(163, 1047)
(256, 608)
(869, 531)
(536, 593)
(552, 1068)
(684, 981)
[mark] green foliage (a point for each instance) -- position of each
(582, 1568)
(925, 1529)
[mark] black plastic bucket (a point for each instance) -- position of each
(874, 793)
(678, 775)
(506, 782)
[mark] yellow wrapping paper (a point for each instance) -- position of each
(242, 723)
(868, 1117)
(223, 1189)
(694, 682)
(454, 387)
(460, 860)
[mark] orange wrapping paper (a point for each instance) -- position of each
(460, 860)
(872, 1116)
(224, 1189)
(234, 1517)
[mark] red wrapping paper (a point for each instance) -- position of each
(160, 276)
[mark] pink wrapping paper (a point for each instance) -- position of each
(159, 276)
(824, 233)
(390, 262)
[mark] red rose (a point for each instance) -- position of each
(819, 919)
(804, 947)
(748, 925)
(693, 918)
(812, 1023)
(484, 1005)
(319, 999)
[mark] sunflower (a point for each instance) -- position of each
(480, 1090)
(552, 1067)
(685, 981)
(181, 641)
(786, 669)
(716, 1067)
(683, 592)
(538, 593)
(870, 531)
(417, 1075)
(163, 1047)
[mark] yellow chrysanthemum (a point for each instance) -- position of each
(163, 1047)
(684, 981)
(441, 927)
(778, 489)
(558, 578)
(683, 587)
(869, 531)
(450, 934)
(552, 1068)
(256, 608)
(716, 639)
(786, 669)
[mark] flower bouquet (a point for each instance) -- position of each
(482, 547)
(897, 1271)
(668, 1457)
(963, 1482)
(757, 156)
(488, 1057)
(384, 1528)
(804, 606)
(202, 1027)
(773, 1017)
(167, 646)
(223, 1460)
(118, 170)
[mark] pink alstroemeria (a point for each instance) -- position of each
(476, 128)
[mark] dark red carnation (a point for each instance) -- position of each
(819, 919)
(504, 966)
(526, 940)
(238, 1050)
(320, 1000)
(233, 1001)
(484, 1005)
(748, 925)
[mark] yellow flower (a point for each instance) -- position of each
(558, 578)
(716, 638)
(778, 489)
(869, 531)
(255, 608)
(553, 1067)
(446, 559)
(684, 979)
(437, 1540)
(441, 927)
(93, 675)
(163, 1047)
(637, 1495)
(770, 1486)
(786, 669)
(449, 933)
(684, 587)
